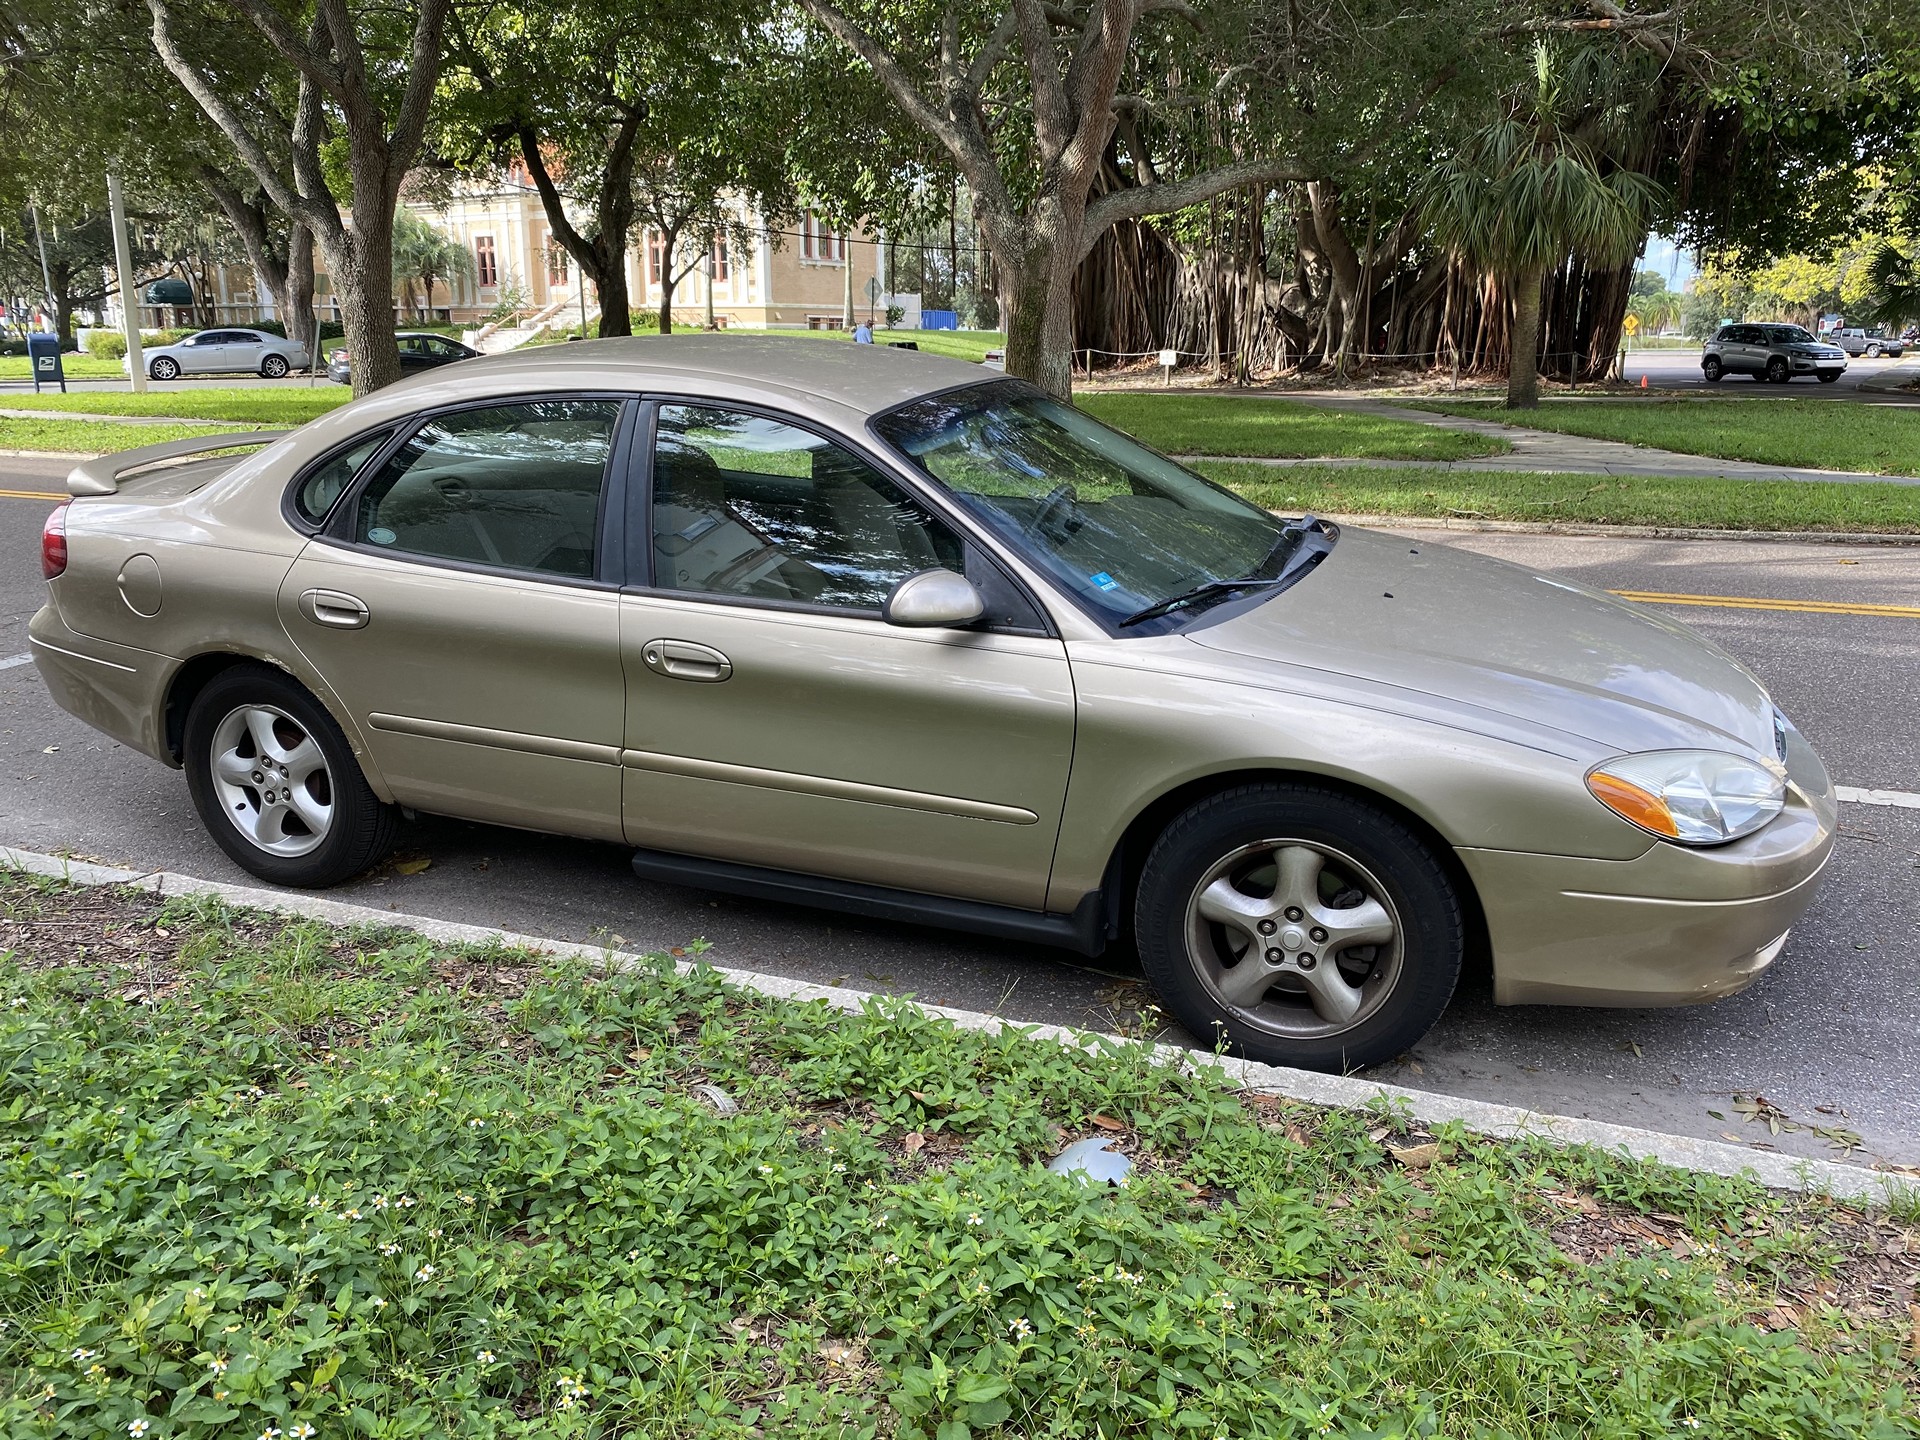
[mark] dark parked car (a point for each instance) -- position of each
(419, 350)
(1770, 352)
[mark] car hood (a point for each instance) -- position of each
(1480, 633)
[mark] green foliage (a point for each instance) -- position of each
(1802, 434)
(107, 345)
(289, 1176)
(1682, 502)
(1229, 425)
(88, 437)
(261, 405)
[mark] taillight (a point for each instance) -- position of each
(53, 542)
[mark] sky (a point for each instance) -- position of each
(1675, 264)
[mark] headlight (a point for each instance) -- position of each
(1697, 797)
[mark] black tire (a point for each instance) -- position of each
(1417, 979)
(274, 366)
(165, 368)
(361, 829)
(1711, 369)
(1777, 373)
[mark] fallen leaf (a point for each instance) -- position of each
(1415, 1157)
(1296, 1134)
(913, 1142)
(639, 1053)
(50, 750)
(411, 867)
(918, 1095)
(1107, 1122)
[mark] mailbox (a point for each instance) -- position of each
(43, 355)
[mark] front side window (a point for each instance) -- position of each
(513, 486)
(1119, 526)
(749, 506)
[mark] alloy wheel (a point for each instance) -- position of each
(1299, 938)
(272, 780)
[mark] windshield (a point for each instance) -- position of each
(1118, 525)
(1790, 335)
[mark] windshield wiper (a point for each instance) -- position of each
(1291, 553)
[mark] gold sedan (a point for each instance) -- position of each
(849, 627)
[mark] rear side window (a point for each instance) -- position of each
(512, 487)
(316, 494)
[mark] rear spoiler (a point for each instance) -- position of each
(102, 474)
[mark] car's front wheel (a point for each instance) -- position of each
(164, 368)
(1873, 352)
(274, 366)
(1711, 369)
(276, 783)
(1777, 371)
(1298, 925)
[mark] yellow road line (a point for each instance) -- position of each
(1750, 602)
(33, 494)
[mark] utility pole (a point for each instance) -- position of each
(46, 275)
(129, 300)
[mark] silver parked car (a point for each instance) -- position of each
(1772, 352)
(851, 627)
(224, 352)
(1872, 344)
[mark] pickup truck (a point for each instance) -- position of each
(1869, 343)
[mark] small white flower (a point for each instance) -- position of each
(349, 1214)
(390, 1248)
(424, 1273)
(379, 1302)
(19, 1002)
(1691, 1423)
(379, 1202)
(314, 1202)
(891, 1259)
(974, 1219)
(76, 1175)
(838, 1168)
(218, 1365)
(633, 1254)
(302, 1431)
(436, 1232)
(137, 1428)
(485, 1357)
(1021, 1328)
(272, 1432)
(406, 1202)
(476, 1124)
(80, 1357)
(766, 1169)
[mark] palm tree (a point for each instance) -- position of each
(1530, 190)
(420, 252)
(1893, 281)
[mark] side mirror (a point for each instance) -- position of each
(933, 598)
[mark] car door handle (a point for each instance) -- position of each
(334, 608)
(684, 660)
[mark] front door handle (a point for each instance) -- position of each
(335, 609)
(684, 660)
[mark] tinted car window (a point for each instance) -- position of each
(318, 491)
(513, 486)
(746, 505)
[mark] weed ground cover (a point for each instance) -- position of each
(92, 437)
(1183, 424)
(1586, 499)
(1767, 428)
(263, 1176)
(261, 405)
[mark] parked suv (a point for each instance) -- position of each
(1770, 352)
(1870, 343)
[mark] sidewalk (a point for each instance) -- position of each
(1545, 450)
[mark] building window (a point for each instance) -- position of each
(722, 269)
(484, 270)
(819, 242)
(557, 257)
(656, 257)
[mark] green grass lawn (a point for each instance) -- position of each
(1588, 499)
(77, 367)
(93, 437)
(1816, 434)
(261, 405)
(1280, 429)
(264, 1176)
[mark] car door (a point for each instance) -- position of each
(200, 354)
(414, 355)
(243, 351)
(775, 719)
(460, 606)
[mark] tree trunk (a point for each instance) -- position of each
(1038, 297)
(616, 314)
(297, 304)
(669, 239)
(1523, 360)
(361, 266)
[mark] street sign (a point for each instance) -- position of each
(1631, 325)
(873, 289)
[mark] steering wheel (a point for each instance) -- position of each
(1052, 510)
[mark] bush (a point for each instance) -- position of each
(106, 344)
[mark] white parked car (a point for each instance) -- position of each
(224, 352)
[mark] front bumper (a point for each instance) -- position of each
(1812, 365)
(1676, 926)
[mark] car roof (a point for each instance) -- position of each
(862, 378)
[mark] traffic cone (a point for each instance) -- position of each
(1643, 382)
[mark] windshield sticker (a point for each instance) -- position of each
(1104, 581)
(381, 535)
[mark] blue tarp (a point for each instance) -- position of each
(939, 319)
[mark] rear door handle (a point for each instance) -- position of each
(335, 609)
(684, 660)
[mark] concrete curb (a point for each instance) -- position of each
(1894, 379)
(1779, 1172)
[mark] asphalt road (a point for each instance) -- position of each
(1680, 370)
(1831, 1035)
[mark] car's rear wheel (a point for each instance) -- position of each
(1298, 925)
(1711, 369)
(164, 368)
(276, 783)
(1777, 371)
(274, 366)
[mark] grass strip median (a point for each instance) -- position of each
(76, 366)
(263, 1175)
(258, 405)
(95, 437)
(1183, 424)
(1679, 502)
(1766, 428)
